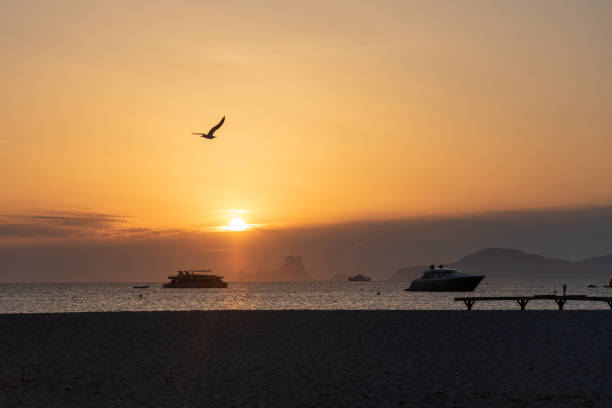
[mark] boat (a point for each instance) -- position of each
(141, 287)
(359, 278)
(195, 279)
(442, 279)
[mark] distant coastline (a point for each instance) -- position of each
(491, 262)
(513, 263)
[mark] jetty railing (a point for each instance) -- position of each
(522, 301)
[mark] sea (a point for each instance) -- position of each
(374, 295)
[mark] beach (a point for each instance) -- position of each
(306, 359)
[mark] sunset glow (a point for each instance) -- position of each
(237, 224)
(393, 105)
(335, 112)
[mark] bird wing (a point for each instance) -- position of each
(199, 134)
(217, 126)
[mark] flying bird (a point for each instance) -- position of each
(210, 134)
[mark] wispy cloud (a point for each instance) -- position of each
(55, 224)
(75, 225)
(72, 219)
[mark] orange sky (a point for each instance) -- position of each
(335, 112)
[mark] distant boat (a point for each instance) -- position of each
(193, 279)
(359, 278)
(141, 286)
(445, 280)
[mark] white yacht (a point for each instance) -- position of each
(442, 279)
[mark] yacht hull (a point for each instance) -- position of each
(196, 285)
(459, 284)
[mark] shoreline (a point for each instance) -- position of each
(307, 358)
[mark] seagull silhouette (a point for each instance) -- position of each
(210, 134)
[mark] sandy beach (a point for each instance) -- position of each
(306, 359)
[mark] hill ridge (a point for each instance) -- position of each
(514, 263)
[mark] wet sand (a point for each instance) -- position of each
(307, 359)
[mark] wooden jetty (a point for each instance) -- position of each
(523, 300)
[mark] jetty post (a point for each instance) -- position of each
(560, 300)
(522, 302)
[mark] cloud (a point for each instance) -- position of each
(85, 226)
(54, 225)
(72, 225)
(72, 219)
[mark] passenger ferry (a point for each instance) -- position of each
(194, 279)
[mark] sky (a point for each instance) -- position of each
(338, 113)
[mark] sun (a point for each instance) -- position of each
(237, 224)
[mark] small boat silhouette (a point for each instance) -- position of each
(359, 278)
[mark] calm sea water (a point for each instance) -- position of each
(102, 297)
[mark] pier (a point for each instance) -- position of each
(523, 300)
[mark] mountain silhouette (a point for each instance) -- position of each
(513, 263)
(292, 270)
